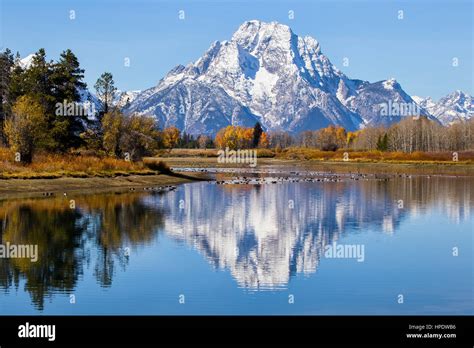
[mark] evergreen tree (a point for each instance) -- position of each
(37, 81)
(105, 89)
(6, 64)
(16, 87)
(385, 142)
(257, 133)
(67, 79)
(382, 143)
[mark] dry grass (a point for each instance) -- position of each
(160, 166)
(298, 153)
(174, 153)
(187, 153)
(49, 166)
(301, 153)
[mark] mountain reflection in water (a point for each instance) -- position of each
(262, 234)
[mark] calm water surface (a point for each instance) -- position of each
(244, 249)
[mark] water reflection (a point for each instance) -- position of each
(263, 235)
(65, 237)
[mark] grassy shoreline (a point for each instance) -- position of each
(81, 173)
(32, 188)
(428, 168)
(307, 154)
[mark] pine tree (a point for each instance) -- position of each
(6, 64)
(67, 80)
(382, 142)
(37, 80)
(385, 142)
(257, 133)
(16, 87)
(105, 89)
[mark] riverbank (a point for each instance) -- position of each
(31, 188)
(392, 168)
(54, 175)
(342, 155)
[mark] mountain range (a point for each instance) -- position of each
(457, 106)
(266, 73)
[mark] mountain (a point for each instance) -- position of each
(121, 100)
(25, 63)
(267, 73)
(455, 107)
(124, 98)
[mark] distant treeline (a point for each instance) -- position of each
(38, 113)
(409, 135)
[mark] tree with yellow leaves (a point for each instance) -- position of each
(26, 128)
(351, 137)
(170, 137)
(263, 142)
(331, 138)
(140, 137)
(113, 127)
(236, 137)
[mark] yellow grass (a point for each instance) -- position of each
(302, 153)
(204, 153)
(49, 166)
(466, 157)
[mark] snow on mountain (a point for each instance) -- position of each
(25, 63)
(92, 102)
(455, 107)
(267, 73)
(384, 103)
(424, 102)
(124, 98)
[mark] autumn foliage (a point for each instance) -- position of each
(170, 137)
(236, 137)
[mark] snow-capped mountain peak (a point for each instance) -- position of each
(390, 84)
(456, 106)
(263, 73)
(267, 73)
(26, 62)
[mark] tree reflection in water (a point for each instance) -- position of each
(263, 235)
(64, 236)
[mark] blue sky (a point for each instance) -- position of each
(417, 50)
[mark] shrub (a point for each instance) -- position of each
(160, 166)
